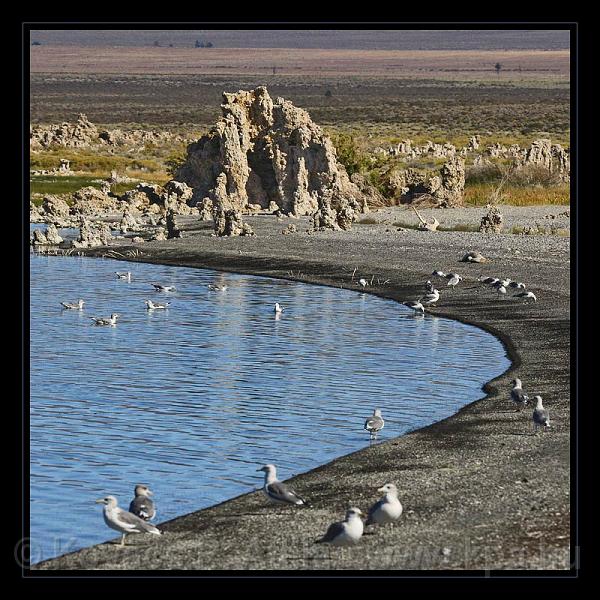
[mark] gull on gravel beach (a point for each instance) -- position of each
(415, 305)
(215, 287)
(163, 288)
(122, 521)
(489, 280)
(141, 505)
(126, 275)
(388, 509)
(156, 305)
(431, 298)
(474, 256)
(278, 308)
(526, 296)
(453, 280)
(518, 285)
(77, 306)
(438, 274)
(501, 290)
(363, 282)
(375, 423)
(344, 533)
(277, 491)
(541, 418)
(429, 287)
(104, 321)
(517, 395)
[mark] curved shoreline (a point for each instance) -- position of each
(477, 474)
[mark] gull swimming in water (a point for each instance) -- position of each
(122, 521)
(375, 423)
(431, 298)
(76, 306)
(541, 418)
(277, 491)
(388, 509)
(453, 279)
(344, 533)
(142, 506)
(126, 275)
(278, 308)
(163, 288)
(415, 305)
(526, 296)
(517, 395)
(104, 321)
(215, 287)
(156, 305)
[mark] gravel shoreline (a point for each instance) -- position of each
(480, 492)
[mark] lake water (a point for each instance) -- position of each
(193, 399)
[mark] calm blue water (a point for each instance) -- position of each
(192, 400)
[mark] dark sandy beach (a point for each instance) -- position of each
(479, 490)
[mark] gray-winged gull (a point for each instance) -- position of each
(388, 509)
(517, 284)
(474, 256)
(156, 305)
(104, 321)
(431, 298)
(126, 275)
(489, 280)
(142, 506)
(215, 287)
(501, 290)
(77, 306)
(453, 279)
(122, 521)
(278, 308)
(438, 274)
(277, 491)
(526, 296)
(344, 533)
(415, 305)
(541, 417)
(163, 288)
(363, 282)
(517, 395)
(429, 287)
(375, 423)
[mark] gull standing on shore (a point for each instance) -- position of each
(375, 423)
(388, 509)
(453, 279)
(431, 298)
(363, 282)
(344, 533)
(163, 288)
(277, 491)
(541, 417)
(122, 521)
(104, 321)
(156, 305)
(77, 306)
(517, 395)
(141, 505)
(500, 289)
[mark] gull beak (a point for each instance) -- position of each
(150, 493)
(381, 489)
(261, 469)
(100, 501)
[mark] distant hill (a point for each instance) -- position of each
(325, 39)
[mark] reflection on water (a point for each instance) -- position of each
(192, 399)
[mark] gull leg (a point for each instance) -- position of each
(123, 540)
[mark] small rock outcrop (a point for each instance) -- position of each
(54, 207)
(92, 234)
(92, 202)
(492, 221)
(128, 223)
(49, 237)
(267, 152)
(78, 135)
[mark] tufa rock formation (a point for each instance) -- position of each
(49, 237)
(92, 234)
(79, 135)
(491, 222)
(263, 152)
(91, 201)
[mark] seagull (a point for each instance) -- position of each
(278, 308)
(541, 418)
(388, 509)
(123, 275)
(501, 290)
(431, 298)
(453, 279)
(163, 288)
(122, 521)
(517, 395)
(77, 306)
(103, 321)
(438, 274)
(429, 286)
(375, 423)
(516, 284)
(215, 287)
(345, 533)
(474, 256)
(525, 296)
(155, 305)
(415, 305)
(489, 280)
(141, 505)
(363, 282)
(277, 491)
(506, 282)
